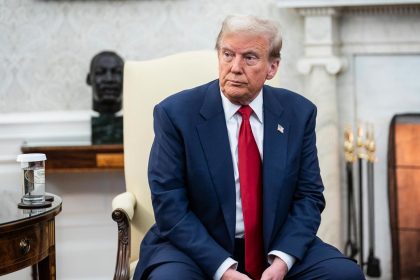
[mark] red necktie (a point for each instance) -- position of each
(250, 179)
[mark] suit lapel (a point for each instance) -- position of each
(213, 136)
(276, 131)
(215, 142)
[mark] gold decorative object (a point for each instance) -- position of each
(360, 143)
(370, 144)
(349, 154)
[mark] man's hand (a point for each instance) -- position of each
(276, 271)
(232, 274)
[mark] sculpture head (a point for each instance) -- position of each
(106, 78)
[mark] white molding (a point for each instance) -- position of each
(332, 64)
(400, 48)
(42, 128)
(320, 11)
(341, 3)
(41, 117)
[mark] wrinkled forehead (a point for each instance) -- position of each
(245, 41)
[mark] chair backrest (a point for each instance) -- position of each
(146, 83)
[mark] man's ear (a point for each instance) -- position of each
(274, 66)
(88, 79)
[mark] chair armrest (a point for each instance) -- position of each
(126, 202)
(122, 212)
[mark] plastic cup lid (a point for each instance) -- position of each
(31, 157)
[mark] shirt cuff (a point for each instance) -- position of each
(288, 259)
(228, 263)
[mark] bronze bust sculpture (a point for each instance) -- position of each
(106, 79)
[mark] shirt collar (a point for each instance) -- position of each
(230, 109)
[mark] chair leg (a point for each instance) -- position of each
(122, 268)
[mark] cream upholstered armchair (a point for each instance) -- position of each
(146, 83)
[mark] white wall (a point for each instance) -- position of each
(46, 46)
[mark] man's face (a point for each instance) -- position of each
(106, 79)
(244, 65)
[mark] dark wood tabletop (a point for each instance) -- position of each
(27, 236)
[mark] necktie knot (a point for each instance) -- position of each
(245, 111)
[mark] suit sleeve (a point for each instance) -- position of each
(304, 217)
(167, 180)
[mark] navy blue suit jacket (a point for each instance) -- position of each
(193, 190)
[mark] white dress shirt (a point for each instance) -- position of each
(233, 123)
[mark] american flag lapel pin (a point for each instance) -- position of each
(280, 128)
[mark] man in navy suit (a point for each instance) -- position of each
(217, 144)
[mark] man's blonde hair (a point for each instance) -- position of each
(252, 25)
